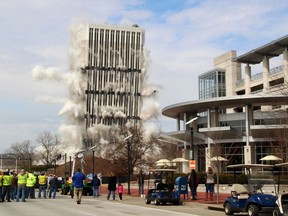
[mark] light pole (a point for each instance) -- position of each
(93, 160)
(16, 162)
(129, 161)
(192, 137)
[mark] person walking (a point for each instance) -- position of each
(95, 186)
(21, 185)
(7, 180)
(120, 191)
(53, 184)
(42, 180)
(112, 181)
(193, 184)
(210, 182)
(78, 179)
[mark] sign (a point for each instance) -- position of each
(192, 164)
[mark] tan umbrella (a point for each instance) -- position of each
(163, 161)
(271, 158)
(218, 158)
(179, 160)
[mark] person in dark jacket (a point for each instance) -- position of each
(78, 182)
(193, 184)
(112, 181)
(53, 183)
(95, 185)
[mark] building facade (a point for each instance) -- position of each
(241, 114)
(108, 63)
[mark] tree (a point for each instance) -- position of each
(49, 149)
(140, 148)
(25, 152)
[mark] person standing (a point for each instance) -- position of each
(42, 179)
(53, 183)
(140, 181)
(1, 185)
(7, 180)
(210, 182)
(112, 181)
(95, 185)
(78, 179)
(193, 184)
(120, 190)
(21, 185)
(13, 192)
(31, 180)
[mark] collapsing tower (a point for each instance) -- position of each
(110, 61)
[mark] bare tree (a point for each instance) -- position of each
(49, 147)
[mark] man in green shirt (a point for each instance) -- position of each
(7, 179)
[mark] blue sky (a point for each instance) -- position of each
(182, 37)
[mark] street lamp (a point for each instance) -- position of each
(92, 148)
(129, 161)
(16, 161)
(192, 141)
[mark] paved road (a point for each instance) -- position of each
(65, 206)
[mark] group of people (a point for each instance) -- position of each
(209, 184)
(15, 186)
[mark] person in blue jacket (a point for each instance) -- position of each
(78, 183)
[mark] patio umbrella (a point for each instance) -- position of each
(179, 160)
(271, 158)
(163, 161)
(218, 158)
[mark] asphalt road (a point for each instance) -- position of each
(65, 206)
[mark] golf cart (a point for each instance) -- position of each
(281, 208)
(163, 190)
(251, 198)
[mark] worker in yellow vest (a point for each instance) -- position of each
(21, 185)
(1, 180)
(31, 181)
(7, 179)
(42, 180)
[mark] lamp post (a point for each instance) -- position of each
(129, 161)
(192, 138)
(93, 160)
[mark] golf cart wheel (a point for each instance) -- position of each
(252, 210)
(147, 201)
(227, 209)
(157, 202)
(276, 212)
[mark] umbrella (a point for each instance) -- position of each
(218, 158)
(179, 160)
(163, 161)
(271, 158)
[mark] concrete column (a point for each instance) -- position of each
(265, 74)
(285, 66)
(185, 166)
(208, 118)
(208, 153)
(178, 123)
(247, 79)
(249, 149)
(184, 121)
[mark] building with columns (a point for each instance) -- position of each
(242, 114)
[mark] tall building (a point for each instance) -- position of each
(241, 119)
(109, 64)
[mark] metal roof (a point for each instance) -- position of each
(270, 50)
(193, 107)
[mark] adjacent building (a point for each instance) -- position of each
(241, 113)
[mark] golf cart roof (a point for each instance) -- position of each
(281, 164)
(162, 170)
(251, 166)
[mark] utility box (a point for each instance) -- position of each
(181, 185)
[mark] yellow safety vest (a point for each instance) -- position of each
(31, 180)
(42, 179)
(22, 179)
(1, 178)
(7, 180)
